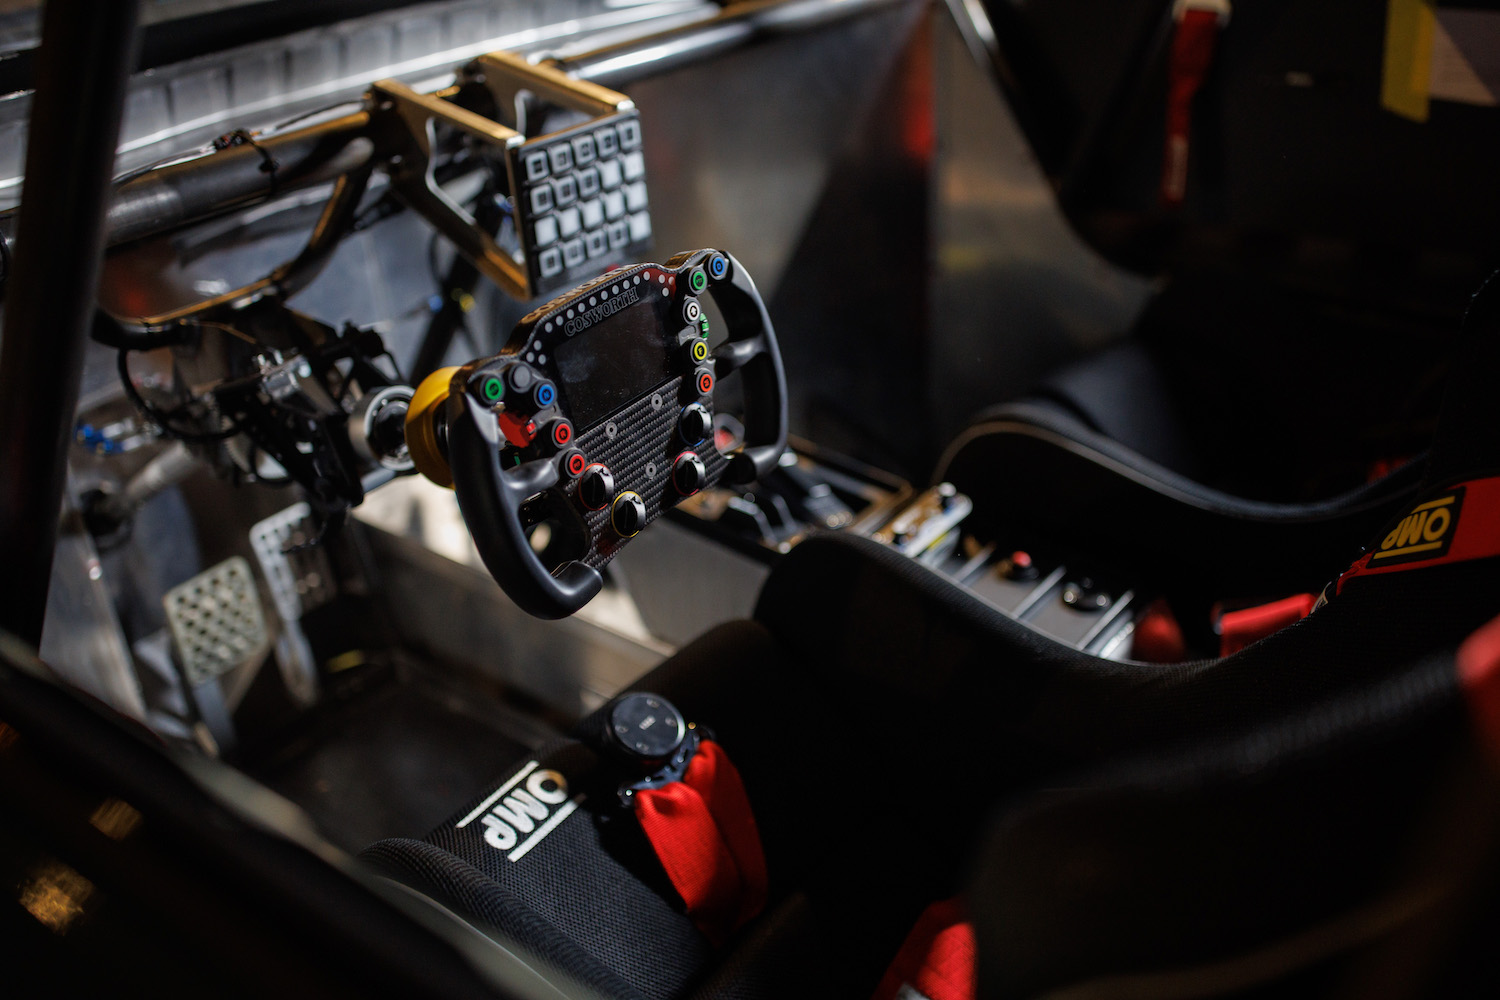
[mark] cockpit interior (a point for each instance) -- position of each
(686, 499)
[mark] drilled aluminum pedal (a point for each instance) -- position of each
(301, 580)
(300, 577)
(216, 620)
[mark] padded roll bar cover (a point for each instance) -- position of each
(1100, 496)
(491, 499)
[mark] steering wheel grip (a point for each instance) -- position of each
(752, 350)
(491, 497)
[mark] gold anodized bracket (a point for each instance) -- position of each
(411, 172)
(506, 76)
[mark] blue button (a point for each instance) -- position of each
(544, 394)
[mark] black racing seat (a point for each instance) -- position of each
(1348, 849)
(879, 714)
(589, 900)
(1037, 465)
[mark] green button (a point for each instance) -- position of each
(493, 389)
(697, 280)
(703, 327)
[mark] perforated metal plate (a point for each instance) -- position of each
(216, 620)
(301, 578)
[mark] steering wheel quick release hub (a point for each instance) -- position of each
(618, 371)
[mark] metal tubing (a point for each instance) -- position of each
(740, 24)
(169, 197)
(293, 276)
(88, 49)
(175, 195)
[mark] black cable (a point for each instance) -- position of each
(111, 332)
(310, 114)
(161, 418)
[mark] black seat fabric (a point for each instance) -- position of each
(591, 899)
(584, 894)
(1348, 849)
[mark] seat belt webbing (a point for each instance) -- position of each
(936, 962)
(704, 834)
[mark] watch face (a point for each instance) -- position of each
(647, 725)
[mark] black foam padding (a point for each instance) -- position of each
(1264, 860)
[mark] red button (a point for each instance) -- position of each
(562, 433)
(705, 383)
(577, 463)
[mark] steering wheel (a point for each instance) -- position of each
(595, 417)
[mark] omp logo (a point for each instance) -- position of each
(603, 310)
(1425, 533)
(530, 805)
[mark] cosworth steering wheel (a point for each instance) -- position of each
(595, 417)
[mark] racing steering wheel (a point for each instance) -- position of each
(595, 417)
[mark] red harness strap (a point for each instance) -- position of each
(1238, 629)
(937, 960)
(1479, 678)
(1194, 38)
(1459, 523)
(705, 837)
(1158, 637)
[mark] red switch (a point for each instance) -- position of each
(517, 428)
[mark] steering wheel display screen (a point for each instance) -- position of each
(616, 356)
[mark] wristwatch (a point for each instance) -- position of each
(644, 729)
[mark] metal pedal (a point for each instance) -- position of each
(301, 580)
(216, 620)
